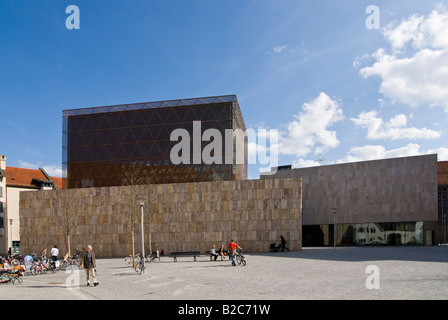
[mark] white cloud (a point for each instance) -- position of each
(370, 152)
(393, 129)
(420, 78)
(279, 49)
(302, 163)
(27, 165)
(308, 132)
(420, 32)
(442, 153)
(51, 170)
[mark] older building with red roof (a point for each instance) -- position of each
(13, 181)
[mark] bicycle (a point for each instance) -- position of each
(132, 261)
(152, 257)
(69, 263)
(140, 265)
(240, 258)
(11, 260)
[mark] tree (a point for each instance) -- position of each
(68, 214)
(135, 178)
(150, 213)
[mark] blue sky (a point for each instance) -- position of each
(334, 89)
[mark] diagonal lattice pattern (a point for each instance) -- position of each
(101, 143)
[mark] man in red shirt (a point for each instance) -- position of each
(232, 247)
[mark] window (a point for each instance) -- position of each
(16, 246)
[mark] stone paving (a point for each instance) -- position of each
(313, 273)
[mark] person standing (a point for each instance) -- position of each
(283, 243)
(233, 246)
(43, 256)
(54, 253)
(89, 265)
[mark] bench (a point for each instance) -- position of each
(193, 254)
(11, 275)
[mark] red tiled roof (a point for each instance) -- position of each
(21, 177)
(442, 172)
(59, 182)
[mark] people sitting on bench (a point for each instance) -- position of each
(222, 252)
(213, 253)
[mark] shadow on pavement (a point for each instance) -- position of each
(417, 253)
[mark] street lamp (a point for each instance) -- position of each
(334, 229)
(142, 203)
(10, 223)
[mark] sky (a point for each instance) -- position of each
(337, 81)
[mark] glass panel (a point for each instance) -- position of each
(373, 234)
(104, 141)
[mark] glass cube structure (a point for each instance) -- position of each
(102, 144)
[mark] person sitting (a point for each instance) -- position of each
(222, 252)
(213, 252)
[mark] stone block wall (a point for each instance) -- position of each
(390, 190)
(187, 217)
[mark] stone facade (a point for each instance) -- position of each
(187, 217)
(389, 190)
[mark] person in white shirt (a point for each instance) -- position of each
(54, 253)
(213, 252)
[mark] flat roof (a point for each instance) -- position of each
(160, 104)
(151, 105)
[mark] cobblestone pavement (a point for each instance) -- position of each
(313, 273)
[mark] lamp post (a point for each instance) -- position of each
(334, 229)
(142, 203)
(10, 232)
(443, 215)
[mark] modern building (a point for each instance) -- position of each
(12, 182)
(442, 201)
(103, 145)
(381, 202)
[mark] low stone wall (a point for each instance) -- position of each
(187, 217)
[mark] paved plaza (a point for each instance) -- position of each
(363, 273)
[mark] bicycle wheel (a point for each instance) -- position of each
(34, 270)
(128, 261)
(139, 268)
(238, 259)
(243, 261)
(63, 265)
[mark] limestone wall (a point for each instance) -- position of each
(389, 190)
(188, 217)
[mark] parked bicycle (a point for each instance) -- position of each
(140, 265)
(131, 261)
(68, 263)
(240, 258)
(11, 260)
(152, 257)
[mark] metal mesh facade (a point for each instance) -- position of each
(100, 144)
